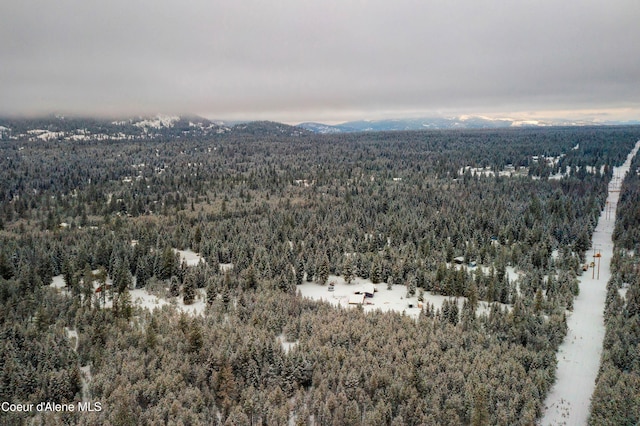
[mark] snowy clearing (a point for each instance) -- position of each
(190, 257)
(286, 345)
(509, 171)
(385, 300)
(58, 282)
(142, 298)
(224, 267)
(579, 354)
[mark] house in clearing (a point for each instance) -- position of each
(367, 290)
(359, 296)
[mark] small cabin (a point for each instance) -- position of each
(367, 290)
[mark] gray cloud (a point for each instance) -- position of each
(301, 59)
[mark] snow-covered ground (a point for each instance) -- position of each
(286, 345)
(224, 267)
(142, 298)
(58, 282)
(579, 354)
(85, 371)
(197, 307)
(190, 257)
(565, 173)
(158, 122)
(72, 335)
(385, 300)
(509, 171)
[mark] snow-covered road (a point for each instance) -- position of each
(579, 354)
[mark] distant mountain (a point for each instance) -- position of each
(138, 128)
(268, 128)
(467, 122)
(461, 122)
(58, 127)
(322, 128)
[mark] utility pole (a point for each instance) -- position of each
(610, 208)
(598, 256)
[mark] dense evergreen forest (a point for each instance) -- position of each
(278, 206)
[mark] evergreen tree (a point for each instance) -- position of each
(168, 264)
(101, 278)
(376, 271)
(189, 289)
(310, 269)
(347, 270)
(411, 285)
(122, 305)
(6, 268)
(68, 274)
(632, 307)
(251, 282)
(480, 414)
(538, 301)
(323, 271)
(299, 271)
(122, 276)
(212, 292)
(472, 296)
(87, 284)
(174, 287)
(142, 272)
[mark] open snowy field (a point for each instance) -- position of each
(190, 257)
(142, 298)
(384, 300)
(579, 354)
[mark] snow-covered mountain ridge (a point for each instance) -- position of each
(460, 122)
(85, 129)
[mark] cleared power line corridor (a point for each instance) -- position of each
(579, 354)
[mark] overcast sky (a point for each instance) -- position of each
(325, 60)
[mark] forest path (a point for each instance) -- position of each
(579, 354)
(85, 372)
